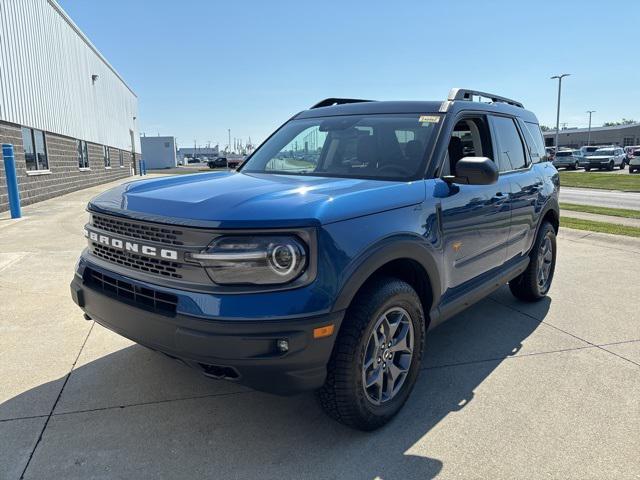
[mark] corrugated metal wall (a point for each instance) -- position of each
(46, 65)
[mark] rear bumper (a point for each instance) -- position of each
(240, 350)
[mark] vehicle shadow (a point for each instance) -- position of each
(164, 418)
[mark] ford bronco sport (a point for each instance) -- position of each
(321, 264)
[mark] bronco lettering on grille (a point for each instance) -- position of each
(127, 246)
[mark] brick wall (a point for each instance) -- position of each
(65, 175)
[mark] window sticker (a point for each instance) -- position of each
(429, 119)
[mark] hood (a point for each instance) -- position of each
(238, 200)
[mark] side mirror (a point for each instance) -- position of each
(474, 171)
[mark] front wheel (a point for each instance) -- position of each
(534, 283)
(377, 355)
(587, 169)
(610, 166)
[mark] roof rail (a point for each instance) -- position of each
(327, 102)
(467, 94)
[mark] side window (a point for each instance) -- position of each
(470, 138)
(107, 156)
(300, 154)
(35, 149)
(83, 158)
(535, 142)
(510, 148)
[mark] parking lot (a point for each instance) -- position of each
(508, 389)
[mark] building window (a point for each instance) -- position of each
(107, 158)
(83, 154)
(627, 142)
(35, 149)
(121, 158)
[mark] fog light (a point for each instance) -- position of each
(282, 345)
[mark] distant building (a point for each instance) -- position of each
(622, 135)
(159, 152)
(69, 115)
(200, 152)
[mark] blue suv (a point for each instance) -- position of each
(321, 264)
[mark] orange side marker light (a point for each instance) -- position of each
(322, 332)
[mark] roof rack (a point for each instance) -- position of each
(327, 102)
(466, 94)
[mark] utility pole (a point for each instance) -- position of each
(559, 77)
(229, 144)
(589, 135)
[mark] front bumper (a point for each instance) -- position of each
(241, 350)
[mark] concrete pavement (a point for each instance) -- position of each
(508, 389)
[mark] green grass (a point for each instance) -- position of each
(602, 227)
(614, 212)
(607, 181)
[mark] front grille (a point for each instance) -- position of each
(142, 263)
(140, 297)
(159, 233)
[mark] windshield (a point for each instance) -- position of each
(564, 154)
(604, 151)
(386, 147)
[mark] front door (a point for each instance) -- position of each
(475, 219)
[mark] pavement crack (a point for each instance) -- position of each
(154, 402)
(567, 333)
(64, 384)
(506, 357)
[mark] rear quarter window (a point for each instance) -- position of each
(535, 142)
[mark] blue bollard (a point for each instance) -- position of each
(144, 167)
(140, 167)
(12, 180)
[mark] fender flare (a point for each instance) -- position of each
(388, 250)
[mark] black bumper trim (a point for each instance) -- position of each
(247, 347)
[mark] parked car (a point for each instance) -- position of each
(634, 163)
(327, 277)
(551, 153)
(629, 151)
(194, 160)
(569, 159)
(234, 163)
(588, 150)
(608, 158)
(219, 162)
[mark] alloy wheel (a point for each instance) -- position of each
(545, 260)
(388, 355)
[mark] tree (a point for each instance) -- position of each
(624, 121)
(544, 128)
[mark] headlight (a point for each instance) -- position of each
(254, 260)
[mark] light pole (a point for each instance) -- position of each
(589, 135)
(559, 77)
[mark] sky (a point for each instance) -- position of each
(200, 67)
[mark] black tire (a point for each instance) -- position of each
(587, 169)
(622, 165)
(610, 166)
(527, 286)
(576, 166)
(343, 395)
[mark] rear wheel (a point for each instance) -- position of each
(534, 283)
(587, 169)
(610, 166)
(622, 165)
(377, 355)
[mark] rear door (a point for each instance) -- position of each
(525, 182)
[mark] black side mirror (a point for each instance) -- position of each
(474, 171)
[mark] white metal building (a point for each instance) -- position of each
(159, 152)
(57, 89)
